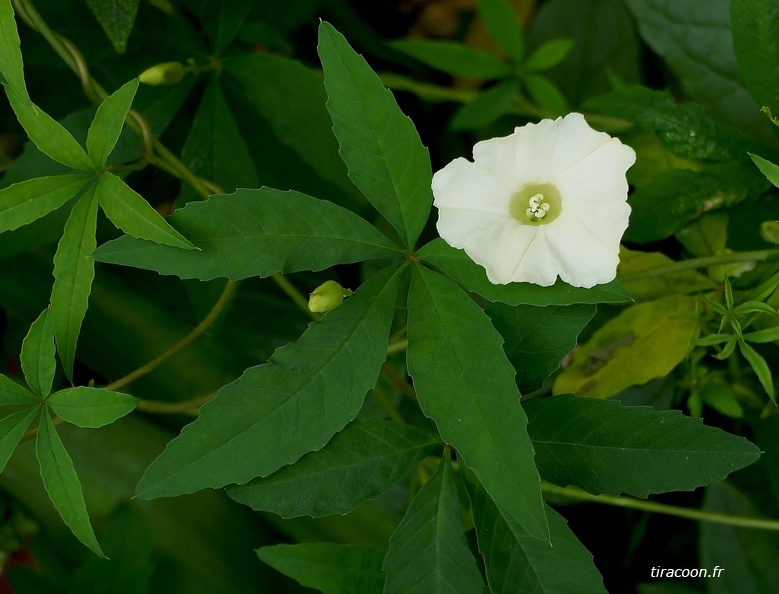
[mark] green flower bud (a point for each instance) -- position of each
(167, 73)
(327, 297)
(769, 231)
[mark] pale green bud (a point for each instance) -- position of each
(769, 231)
(167, 73)
(327, 297)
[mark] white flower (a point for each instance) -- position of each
(549, 200)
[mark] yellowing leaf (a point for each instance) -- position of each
(645, 341)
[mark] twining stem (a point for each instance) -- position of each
(520, 105)
(661, 508)
(217, 309)
(160, 407)
(698, 263)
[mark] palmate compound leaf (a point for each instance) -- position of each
(12, 429)
(108, 123)
(460, 268)
(428, 553)
(255, 233)
(13, 394)
(378, 143)
(51, 138)
(25, 202)
(90, 407)
(292, 405)
(62, 484)
(329, 568)
(132, 214)
(11, 65)
(466, 385)
(515, 561)
(602, 446)
(74, 271)
(503, 26)
(360, 463)
(39, 354)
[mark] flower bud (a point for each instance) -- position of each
(327, 297)
(769, 231)
(167, 73)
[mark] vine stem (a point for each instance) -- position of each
(661, 508)
(698, 263)
(224, 299)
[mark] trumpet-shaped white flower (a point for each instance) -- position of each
(549, 200)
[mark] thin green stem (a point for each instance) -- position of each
(520, 106)
(397, 346)
(661, 508)
(698, 263)
(217, 309)
(160, 407)
(296, 296)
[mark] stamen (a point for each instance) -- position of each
(538, 208)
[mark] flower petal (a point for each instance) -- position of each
(466, 186)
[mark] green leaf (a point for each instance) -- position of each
(602, 446)
(760, 368)
(453, 58)
(428, 553)
(221, 20)
(360, 463)
(503, 27)
(487, 107)
(292, 99)
(460, 268)
(39, 354)
(548, 55)
(48, 135)
(755, 28)
(770, 170)
(685, 128)
(255, 233)
(516, 561)
(74, 271)
(329, 568)
(663, 207)
(108, 123)
(451, 343)
(747, 555)
(292, 405)
(13, 394)
(379, 144)
(214, 148)
(132, 214)
(117, 18)
(645, 341)
(12, 429)
(545, 94)
(695, 40)
(748, 306)
(760, 336)
(633, 263)
(90, 407)
(62, 484)
(538, 338)
(713, 339)
(11, 64)
(27, 201)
